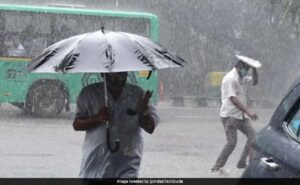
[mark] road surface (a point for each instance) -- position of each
(184, 145)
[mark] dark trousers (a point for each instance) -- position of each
(231, 125)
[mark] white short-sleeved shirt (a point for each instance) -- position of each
(233, 85)
(97, 160)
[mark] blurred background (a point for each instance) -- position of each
(208, 33)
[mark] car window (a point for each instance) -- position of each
(289, 105)
(294, 124)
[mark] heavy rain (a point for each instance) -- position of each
(37, 136)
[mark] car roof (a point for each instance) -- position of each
(295, 83)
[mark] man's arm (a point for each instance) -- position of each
(241, 107)
(82, 124)
(254, 76)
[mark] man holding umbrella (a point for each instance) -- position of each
(234, 111)
(112, 109)
(129, 111)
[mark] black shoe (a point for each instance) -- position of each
(217, 170)
(241, 165)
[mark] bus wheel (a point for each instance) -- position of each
(46, 99)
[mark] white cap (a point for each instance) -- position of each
(251, 62)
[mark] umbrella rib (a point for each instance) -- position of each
(146, 51)
(110, 56)
(170, 56)
(166, 54)
(47, 56)
(68, 62)
(162, 53)
(140, 55)
(143, 58)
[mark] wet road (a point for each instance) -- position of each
(185, 144)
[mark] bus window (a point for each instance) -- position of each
(28, 29)
(36, 31)
(93, 23)
(15, 46)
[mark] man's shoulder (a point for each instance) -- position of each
(134, 88)
(91, 87)
(230, 77)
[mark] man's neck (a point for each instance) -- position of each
(238, 72)
(115, 92)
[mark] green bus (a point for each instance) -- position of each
(27, 30)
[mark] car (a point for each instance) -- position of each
(275, 150)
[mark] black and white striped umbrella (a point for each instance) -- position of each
(104, 52)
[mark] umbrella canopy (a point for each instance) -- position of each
(104, 52)
(100, 52)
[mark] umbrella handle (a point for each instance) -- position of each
(110, 148)
(113, 150)
(105, 90)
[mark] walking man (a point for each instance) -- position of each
(129, 111)
(234, 111)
